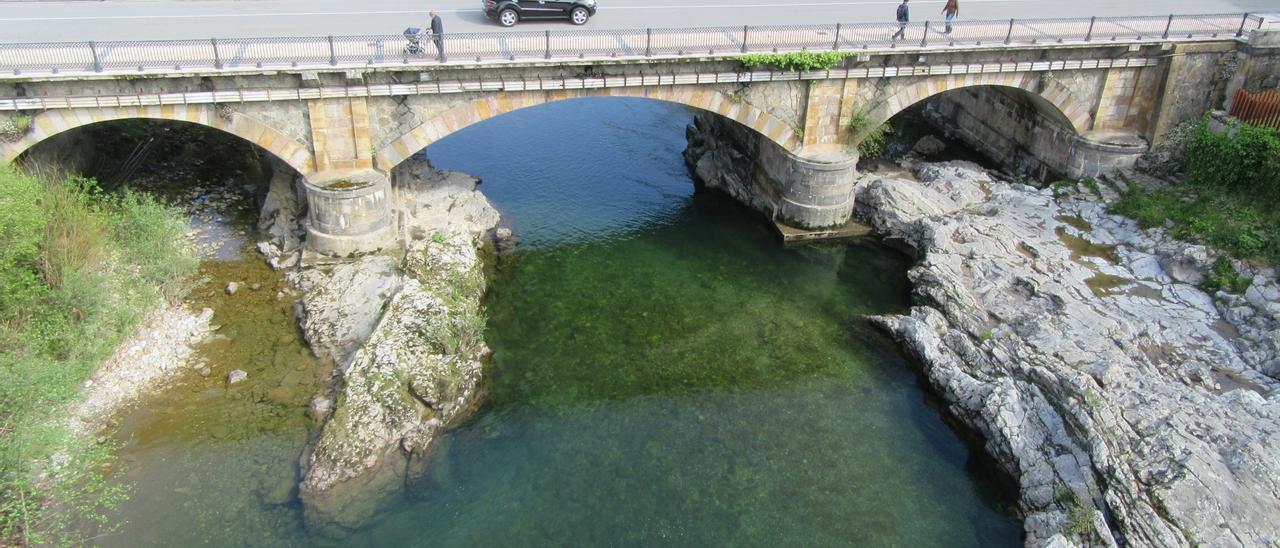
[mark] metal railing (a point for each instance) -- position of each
(348, 52)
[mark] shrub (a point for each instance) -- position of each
(78, 270)
(1243, 158)
(874, 140)
(1225, 278)
(799, 61)
(1229, 198)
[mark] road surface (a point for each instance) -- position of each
(40, 21)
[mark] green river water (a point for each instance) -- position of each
(664, 373)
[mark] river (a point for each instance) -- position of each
(664, 372)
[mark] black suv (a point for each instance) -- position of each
(510, 12)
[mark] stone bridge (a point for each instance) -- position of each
(1042, 109)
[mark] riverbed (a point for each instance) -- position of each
(663, 372)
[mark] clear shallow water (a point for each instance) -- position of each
(663, 373)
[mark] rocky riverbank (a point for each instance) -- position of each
(1131, 407)
(405, 329)
(162, 349)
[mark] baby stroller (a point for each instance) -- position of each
(415, 36)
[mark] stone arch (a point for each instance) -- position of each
(1069, 109)
(52, 122)
(390, 155)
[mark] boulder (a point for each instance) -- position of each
(432, 201)
(928, 146)
(1189, 264)
(280, 218)
(342, 302)
(418, 373)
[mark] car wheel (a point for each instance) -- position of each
(508, 18)
(579, 16)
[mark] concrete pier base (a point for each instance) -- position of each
(1099, 152)
(815, 187)
(349, 212)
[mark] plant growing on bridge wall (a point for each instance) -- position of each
(798, 61)
(15, 127)
(873, 140)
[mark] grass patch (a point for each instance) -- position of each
(1224, 277)
(1229, 200)
(78, 270)
(1079, 516)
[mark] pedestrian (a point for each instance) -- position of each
(951, 10)
(903, 17)
(437, 34)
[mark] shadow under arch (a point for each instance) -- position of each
(1052, 99)
(388, 156)
(53, 122)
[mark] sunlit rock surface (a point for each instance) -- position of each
(1132, 407)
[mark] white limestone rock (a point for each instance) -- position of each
(430, 202)
(418, 373)
(343, 301)
(1138, 402)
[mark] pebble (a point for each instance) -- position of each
(236, 375)
(233, 287)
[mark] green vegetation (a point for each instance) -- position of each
(798, 61)
(14, 127)
(1229, 199)
(1225, 278)
(1079, 515)
(874, 141)
(1092, 184)
(78, 270)
(1062, 187)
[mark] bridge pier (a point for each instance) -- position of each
(349, 212)
(815, 187)
(1098, 152)
(812, 189)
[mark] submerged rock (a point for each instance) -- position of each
(1118, 395)
(419, 372)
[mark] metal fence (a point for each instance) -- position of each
(167, 56)
(1259, 109)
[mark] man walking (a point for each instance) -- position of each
(437, 34)
(951, 10)
(903, 17)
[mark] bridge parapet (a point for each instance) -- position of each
(1082, 91)
(201, 56)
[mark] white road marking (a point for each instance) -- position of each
(419, 12)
